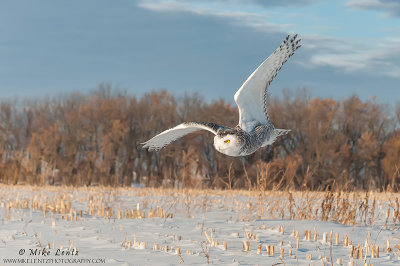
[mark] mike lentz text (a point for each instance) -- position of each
(46, 252)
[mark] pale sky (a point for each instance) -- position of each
(48, 47)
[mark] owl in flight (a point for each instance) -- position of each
(254, 129)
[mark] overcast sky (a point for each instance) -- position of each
(49, 47)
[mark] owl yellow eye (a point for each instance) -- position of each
(227, 141)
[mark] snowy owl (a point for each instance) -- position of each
(254, 129)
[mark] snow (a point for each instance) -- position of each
(199, 220)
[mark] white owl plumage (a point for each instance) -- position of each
(254, 129)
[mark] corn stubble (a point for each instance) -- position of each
(349, 208)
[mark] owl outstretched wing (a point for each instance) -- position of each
(251, 98)
(164, 138)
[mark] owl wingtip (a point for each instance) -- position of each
(141, 146)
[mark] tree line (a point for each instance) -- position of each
(91, 139)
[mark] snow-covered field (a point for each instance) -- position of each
(118, 226)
